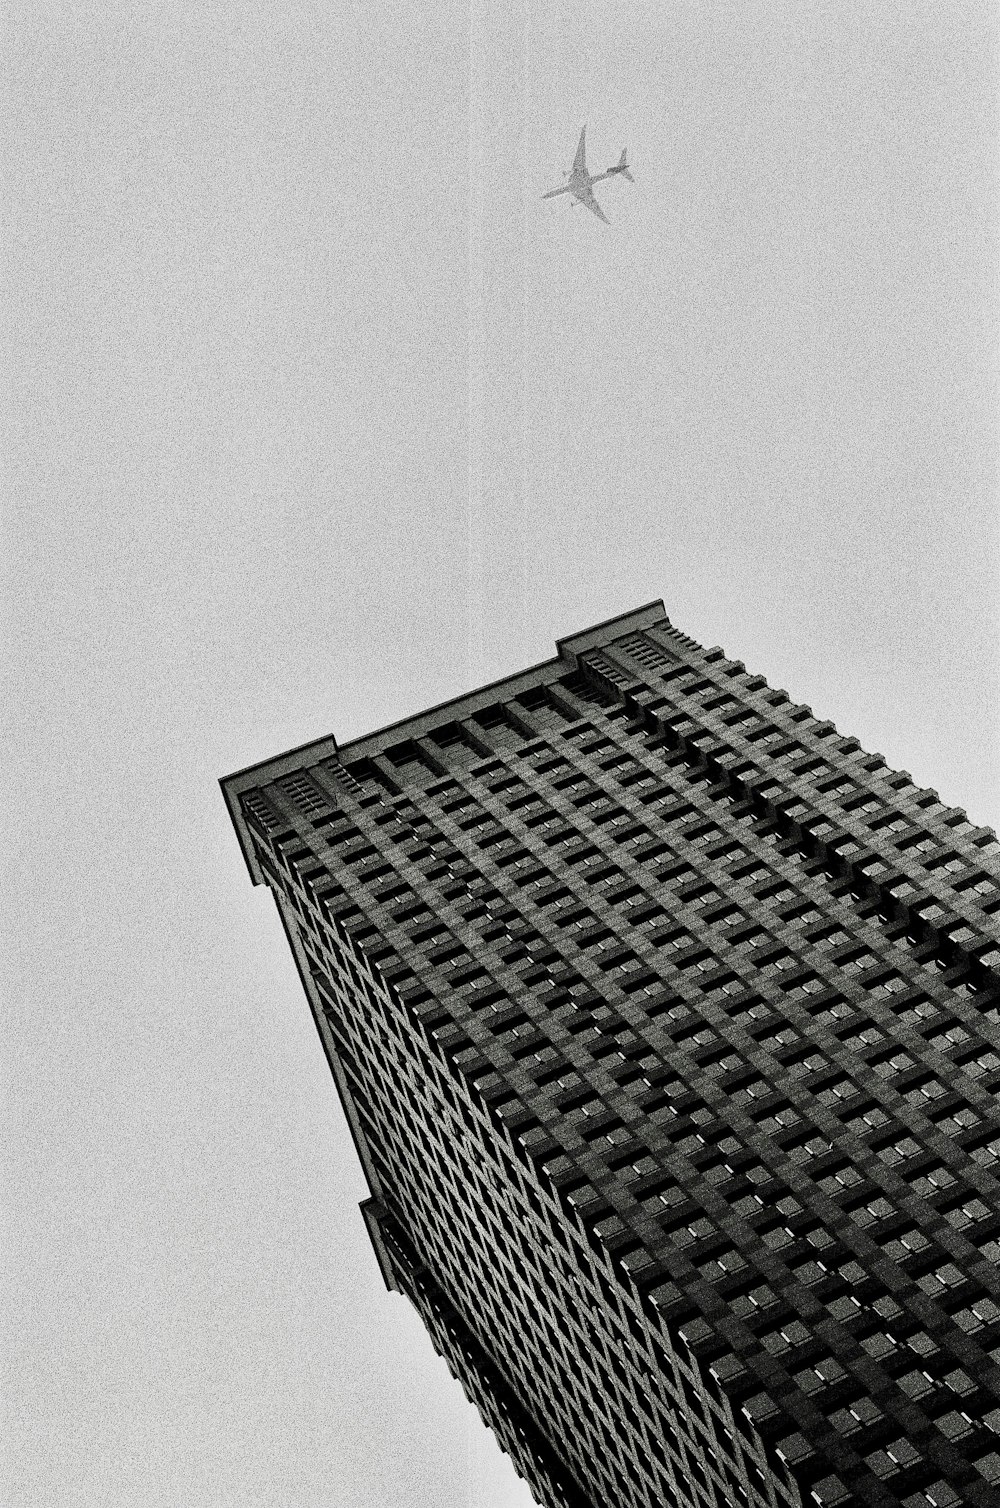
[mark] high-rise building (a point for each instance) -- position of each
(666, 1021)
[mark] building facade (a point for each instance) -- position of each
(667, 1024)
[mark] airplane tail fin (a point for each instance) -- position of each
(623, 165)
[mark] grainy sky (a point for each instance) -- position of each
(316, 415)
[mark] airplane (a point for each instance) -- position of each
(581, 183)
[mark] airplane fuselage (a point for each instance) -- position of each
(580, 184)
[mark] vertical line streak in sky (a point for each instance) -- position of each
(496, 523)
(522, 294)
(474, 587)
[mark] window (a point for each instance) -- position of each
(303, 792)
(875, 1210)
(817, 1146)
(984, 1062)
(790, 1335)
(987, 1155)
(844, 1178)
(814, 1379)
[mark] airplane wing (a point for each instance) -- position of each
(592, 204)
(580, 160)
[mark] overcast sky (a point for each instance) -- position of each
(308, 429)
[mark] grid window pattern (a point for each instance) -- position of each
(666, 1020)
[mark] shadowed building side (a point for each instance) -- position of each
(666, 1021)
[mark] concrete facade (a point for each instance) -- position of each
(666, 1022)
